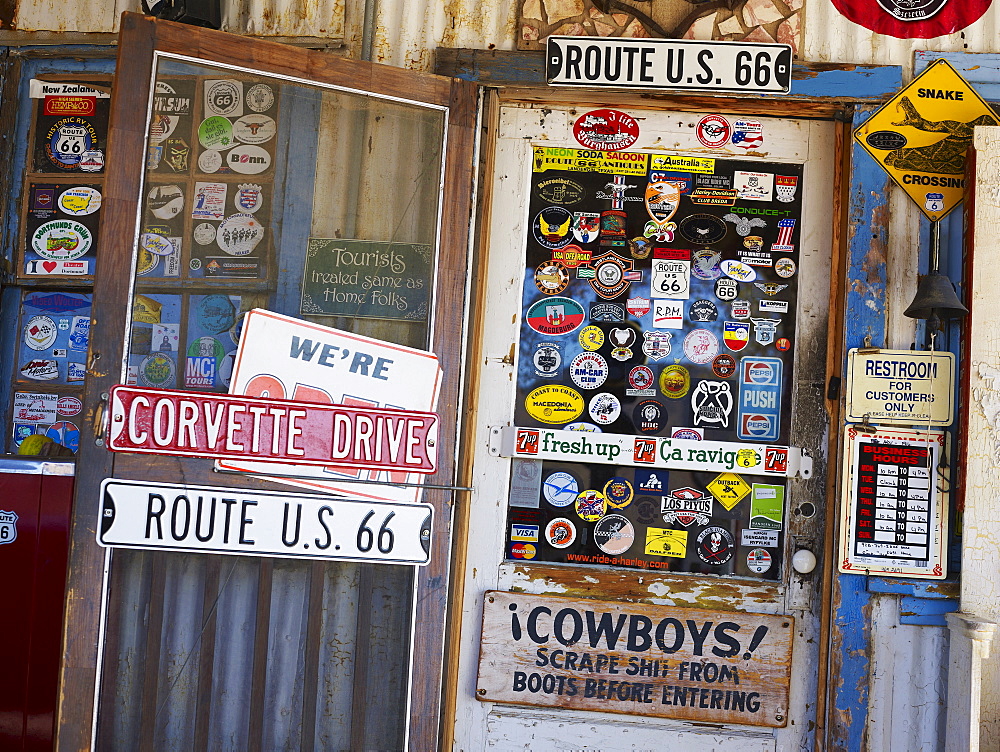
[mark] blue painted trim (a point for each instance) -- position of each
(981, 69)
(921, 612)
(923, 589)
(869, 82)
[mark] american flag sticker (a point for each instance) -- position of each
(748, 134)
(784, 242)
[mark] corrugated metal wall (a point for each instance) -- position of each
(831, 38)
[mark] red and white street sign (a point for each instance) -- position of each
(224, 426)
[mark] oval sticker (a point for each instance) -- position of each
(607, 130)
(555, 316)
(80, 201)
(61, 240)
(69, 406)
(738, 270)
(248, 159)
(554, 404)
(254, 129)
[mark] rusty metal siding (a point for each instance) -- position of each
(285, 18)
(831, 38)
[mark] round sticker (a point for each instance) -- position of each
(704, 229)
(784, 267)
(210, 160)
(165, 201)
(588, 370)
(607, 130)
(675, 381)
(547, 360)
(156, 244)
(646, 509)
(586, 225)
(260, 98)
(713, 131)
(552, 227)
(649, 416)
(705, 264)
(254, 129)
(715, 546)
(248, 159)
(68, 140)
(216, 313)
(61, 240)
(146, 262)
(618, 492)
(554, 404)
(551, 277)
(783, 344)
(758, 560)
(605, 408)
(555, 316)
(701, 346)
(249, 197)
(239, 234)
(614, 534)
(157, 370)
(560, 489)
(206, 347)
(591, 337)
(40, 332)
(204, 233)
(724, 366)
(560, 533)
(223, 97)
(591, 505)
(216, 133)
(640, 378)
(69, 406)
(80, 201)
(65, 433)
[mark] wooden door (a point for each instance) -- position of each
(228, 160)
(567, 346)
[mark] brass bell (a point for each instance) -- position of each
(936, 299)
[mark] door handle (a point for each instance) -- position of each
(101, 418)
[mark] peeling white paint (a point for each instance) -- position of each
(987, 399)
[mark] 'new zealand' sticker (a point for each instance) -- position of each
(760, 399)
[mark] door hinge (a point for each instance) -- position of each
(833, 389)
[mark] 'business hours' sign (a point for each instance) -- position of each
(693, 664)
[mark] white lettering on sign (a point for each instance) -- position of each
(224, 426)
(286, 358)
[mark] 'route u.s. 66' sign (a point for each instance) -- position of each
(222, 426)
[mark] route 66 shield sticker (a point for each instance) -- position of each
(8, 527)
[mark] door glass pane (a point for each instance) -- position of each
(317, 203)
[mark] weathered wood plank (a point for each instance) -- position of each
(840, 82)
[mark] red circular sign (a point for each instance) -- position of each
(920, 19)
(607, 130)
(713, 131)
